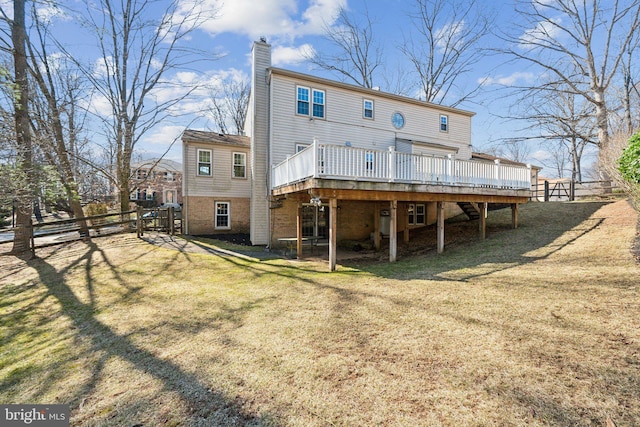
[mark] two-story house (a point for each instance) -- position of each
(217, 192)
(334, 160)
(155, 182)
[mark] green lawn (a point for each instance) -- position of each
(534, 326)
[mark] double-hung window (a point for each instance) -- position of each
(318, 104)
(239, 165)
(223, 215)
(310, 102)
(444, 123)
(367, 109)
(368, 161)
(303, 101)
(204, 162)
(417, 214)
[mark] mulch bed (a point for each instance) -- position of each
(237, 238)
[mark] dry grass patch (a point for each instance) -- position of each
(535, 326)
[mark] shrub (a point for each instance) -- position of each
(629, 162)
(95, 209)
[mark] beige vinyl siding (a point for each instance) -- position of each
(220, 182)
(344, 121)
(260, 167)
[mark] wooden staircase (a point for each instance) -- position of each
(471, 210)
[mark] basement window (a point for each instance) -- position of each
(417, 214)
(223, 216)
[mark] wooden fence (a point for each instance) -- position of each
(573, 190)
(59, 231)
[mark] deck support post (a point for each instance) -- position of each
(514, 215)
(333, 227)
(440, 226)
(299, 232)
(393, 232)
(482, 221)
(406, 225)
(376, 227)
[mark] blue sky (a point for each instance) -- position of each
(293, 26)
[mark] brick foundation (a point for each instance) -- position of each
(200, 214)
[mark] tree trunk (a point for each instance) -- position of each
(76, 208)
(22, 237)
(602, 126)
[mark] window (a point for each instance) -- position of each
(204, 162)
(417, 215)
(315, 221)
(318, 104)
(310, 105)
(239, 165)
(367, 106)
(444, 123)
(368, 161)
(303, 100)
(222, 215)
(420, 215)
(300, 147)
(398, 120)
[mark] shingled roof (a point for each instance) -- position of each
(491, 158)
(206, 137)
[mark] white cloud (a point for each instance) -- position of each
(50, 11)
(449, 36)
(281, 56)
(518, 77)
(163, 135)
(319, 13)
(99, 105)
(543, 32)
(269, 18)
(102, 65)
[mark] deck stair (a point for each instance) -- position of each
(470, 209)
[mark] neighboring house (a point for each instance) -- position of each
(155, 182)
(337, 161)
(217, 189)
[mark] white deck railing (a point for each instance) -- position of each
(357, 164)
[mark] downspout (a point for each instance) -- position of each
(268, 168)
(185, 192)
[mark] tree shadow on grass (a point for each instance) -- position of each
(204, 405)
(542, 232)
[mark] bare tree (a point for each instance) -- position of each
(558, 158)
(21, 242)
(558, 118)
(357, 54)
(56, 106)
(562, 36)
(629, 90)
(230, 103)
(136, 53)
(446, 46)
(514, 149)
